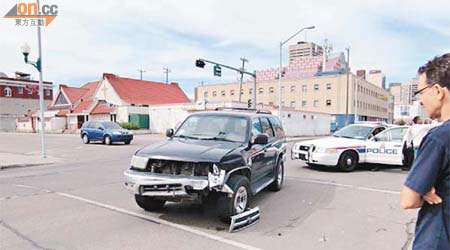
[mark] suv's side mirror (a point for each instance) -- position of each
(261, 139)
(169, 132)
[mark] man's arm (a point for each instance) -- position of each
(410, 199)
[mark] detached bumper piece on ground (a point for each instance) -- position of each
(244, 220)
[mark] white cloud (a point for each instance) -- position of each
(89, 38)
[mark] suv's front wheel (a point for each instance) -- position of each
(239, 202)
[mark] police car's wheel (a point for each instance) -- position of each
(149, 203)
(348, 161)
(85, 139)
(277, 184)
(238, 203)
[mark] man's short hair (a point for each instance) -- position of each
(437, 71)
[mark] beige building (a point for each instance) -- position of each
(325, 94)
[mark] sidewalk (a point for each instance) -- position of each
(10, 160)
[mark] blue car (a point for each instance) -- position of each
(106, 132)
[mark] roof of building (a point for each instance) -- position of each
(83, 106)
(102, 108)
(142, 92)
(23, 80)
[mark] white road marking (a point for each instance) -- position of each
(150, 218)
(344, 185)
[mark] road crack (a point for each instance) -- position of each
(409, 233)
(22, 236)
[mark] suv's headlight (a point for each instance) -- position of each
(139, 162)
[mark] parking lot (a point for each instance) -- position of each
(80, 203)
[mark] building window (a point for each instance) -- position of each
(7, 92)
(250, 91)
(328, 102)
(214, 93)
(231, 92)
(282, 89)
(328, 86)
(242, 91)
(304, 103)
(29, 91)
(271, 90)
(206, 94)
(271, 103)
(47, 92)
(293, 104)
(282, 103)
(222, 92)
(304, 88)
(316, 103)
(20, 90)
(316, 86)
(292, 88)
(260, 90)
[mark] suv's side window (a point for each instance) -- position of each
(267, 129)
(276, 124)
(256, 127)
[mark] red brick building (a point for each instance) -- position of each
(18, 96)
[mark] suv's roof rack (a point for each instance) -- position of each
(258, 111)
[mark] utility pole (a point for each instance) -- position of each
(141, 71)
(242, 76)
(348, 75)
(41, 91)
(167, 71)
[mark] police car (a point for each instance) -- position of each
(354, 144)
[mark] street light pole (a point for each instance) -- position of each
(279, 71)
(348, 72)
(41, 90)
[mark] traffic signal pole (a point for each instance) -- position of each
(241, 71)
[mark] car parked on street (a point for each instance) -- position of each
(231, 155)
(352, 145)
(105, 131)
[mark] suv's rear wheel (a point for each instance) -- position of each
(85, 139)
(277, 184)
(239, 202)
(149, 203)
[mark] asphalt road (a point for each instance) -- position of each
(80, 203)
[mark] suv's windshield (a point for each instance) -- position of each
(354, 132)
(111, 125)
(214, 127)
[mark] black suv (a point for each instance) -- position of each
(231, 155)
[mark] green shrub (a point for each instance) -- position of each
(129, 125)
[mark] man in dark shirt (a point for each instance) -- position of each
(428, 184)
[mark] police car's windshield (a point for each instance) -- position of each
(354, 132)
(214, 127)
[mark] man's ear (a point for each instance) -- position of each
(441, 92)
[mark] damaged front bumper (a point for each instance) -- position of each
(160, 185)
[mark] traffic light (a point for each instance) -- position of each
(249, 103)
(200, 64)
(217, 70)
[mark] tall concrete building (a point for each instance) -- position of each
(406, 106)
(302, 49)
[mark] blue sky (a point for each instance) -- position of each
(89, 38)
